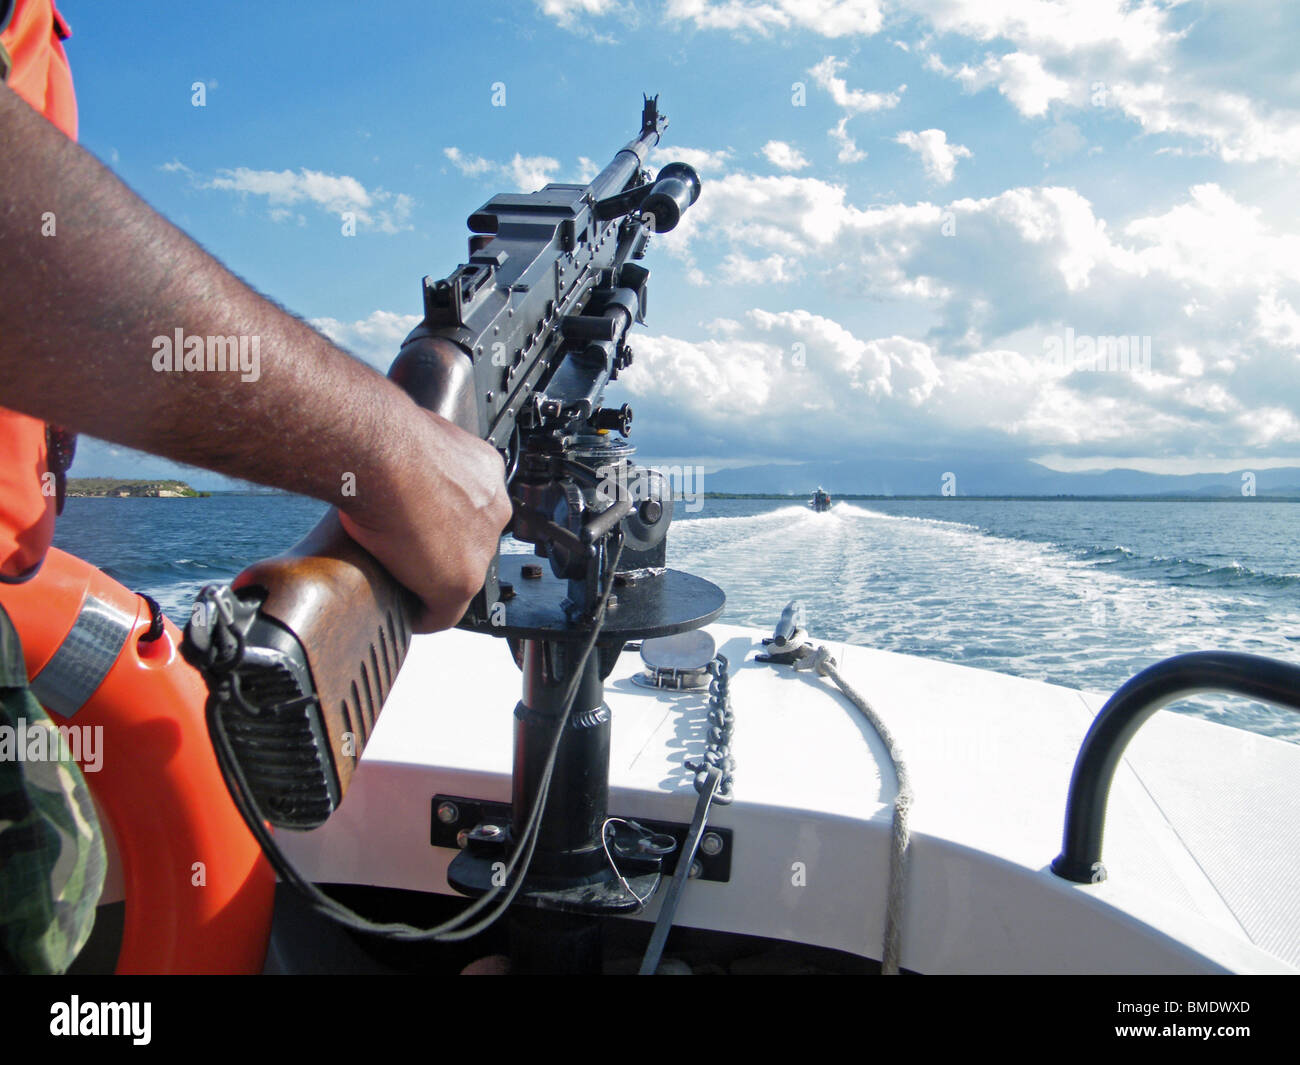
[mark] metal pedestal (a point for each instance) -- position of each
(571, 875)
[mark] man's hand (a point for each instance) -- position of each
(435, 522)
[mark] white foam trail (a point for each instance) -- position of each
(877, 515)
(948, 590)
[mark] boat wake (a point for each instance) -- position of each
(1084, 614)
(1086, 618)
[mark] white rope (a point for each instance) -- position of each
(604, 842)
(825, 665)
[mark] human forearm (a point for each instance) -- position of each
(87, 316)
(80, 312)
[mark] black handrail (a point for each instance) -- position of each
(1126, 711)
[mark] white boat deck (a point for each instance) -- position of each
(1201, 848)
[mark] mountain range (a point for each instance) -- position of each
(993, 477)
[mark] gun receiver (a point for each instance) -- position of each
(517, 345)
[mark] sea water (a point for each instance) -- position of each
(1081, 593)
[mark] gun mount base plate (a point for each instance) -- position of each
(669, 603)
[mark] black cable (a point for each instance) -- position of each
(450, 930)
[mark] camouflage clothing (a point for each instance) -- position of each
(51, 847)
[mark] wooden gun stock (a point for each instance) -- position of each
(331, 633)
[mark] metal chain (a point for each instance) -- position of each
(721, 726)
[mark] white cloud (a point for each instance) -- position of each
(854, 101)
(1054, 27)
(1211, 275)
(761, 381)
(573, 15)
(739, 269)
(1213, 284)
(1108, 53)
(334, 193)
(526, 173)
(469, 165)
(1277, 321)
(567, 12)
(375, 339)
(1136, 29)
(937, 156)
(1269, 427)
(704, 160)
(849, 152)
(1020, 77)
(1216, 243)
(828, 18)
(1229, 123)
(786, 214)
(529, 173)
(1135, 53)
(894, 367)
(784, 156)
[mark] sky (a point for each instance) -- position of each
(920, 220)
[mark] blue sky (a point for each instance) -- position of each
(909, 208)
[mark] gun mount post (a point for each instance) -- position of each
(570, 872)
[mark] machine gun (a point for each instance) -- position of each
(517, 346)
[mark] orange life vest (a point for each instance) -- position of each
(34, 65)
(199, 893)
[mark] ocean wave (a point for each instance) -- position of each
(1186, 572)
(1082, 597)
(1102, 555)
(146, 574)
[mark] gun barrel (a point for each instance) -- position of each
(627, 163)
(631, 157)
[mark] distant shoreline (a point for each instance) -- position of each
(110, 488)
(804, 496)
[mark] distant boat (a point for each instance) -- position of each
(821, 500)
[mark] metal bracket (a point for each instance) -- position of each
(473, 813)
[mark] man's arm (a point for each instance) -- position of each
(79, 312)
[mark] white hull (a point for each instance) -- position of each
(1201, 850)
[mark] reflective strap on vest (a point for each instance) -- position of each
(83, 660)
